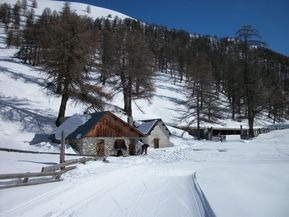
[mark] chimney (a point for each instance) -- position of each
(130, 120)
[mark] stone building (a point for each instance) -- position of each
(156, 133)
(101, 134)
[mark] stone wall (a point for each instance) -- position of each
(87, 146)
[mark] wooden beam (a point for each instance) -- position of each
(67, 163)
(29, 175)
(30, 183)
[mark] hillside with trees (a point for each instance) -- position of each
(80, 56)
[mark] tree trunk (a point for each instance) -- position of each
(103, 77)
(198, 115)
(62, 109)
(251, 123)
(127, 97)
(233, 108)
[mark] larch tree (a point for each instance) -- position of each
(5, 15)
(67, 59)
(249, 40)
(107, 51)
(201, 98)
(133, 64)
(27, 47)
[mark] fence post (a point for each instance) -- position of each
(62, 150)
(241, 132)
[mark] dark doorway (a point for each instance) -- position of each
(120, 146)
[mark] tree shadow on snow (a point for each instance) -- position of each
(38, 162)
(32, 120)
(41, 137)
(169, 98)
(170, 88)
(25, 78)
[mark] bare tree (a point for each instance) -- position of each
(201, 102)
(249, 40)
(133, 64)
(68, 55)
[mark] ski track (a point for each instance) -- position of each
(152, 192)
(32, 202)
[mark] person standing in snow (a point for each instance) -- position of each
(144, 149)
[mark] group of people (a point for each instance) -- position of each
(119, 145)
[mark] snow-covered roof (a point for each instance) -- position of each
(83, 129)
(76, 126)
(71, 124)
(146, 126)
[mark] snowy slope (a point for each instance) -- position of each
(26, 109)
(239, 178)
(79, 8)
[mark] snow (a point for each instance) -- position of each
(146, 126)
(71, 124)
(237, 177)
(243, 179)
(79, 8)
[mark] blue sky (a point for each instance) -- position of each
(220, 18)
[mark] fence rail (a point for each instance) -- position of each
(25, 179)
(61, 166)
(48, 174)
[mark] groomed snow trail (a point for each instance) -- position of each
(130, 191)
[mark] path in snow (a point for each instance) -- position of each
(150, 190)
(247, 179)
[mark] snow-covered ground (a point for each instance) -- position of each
(239, 178)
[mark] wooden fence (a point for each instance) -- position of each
(47, 174)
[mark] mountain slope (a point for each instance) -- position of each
(79, 8)
(27, 113)
(25, 108)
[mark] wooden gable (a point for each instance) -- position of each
(112, 126)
